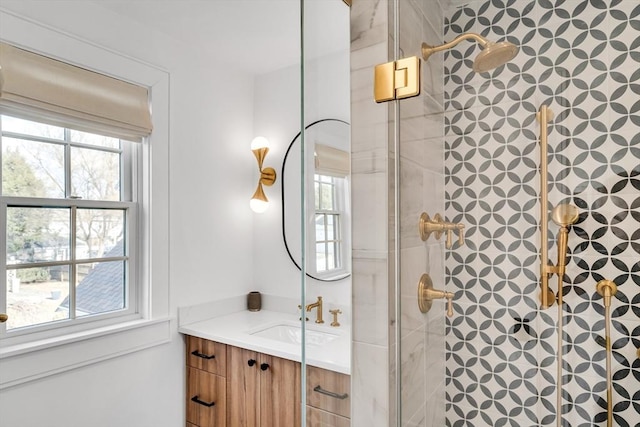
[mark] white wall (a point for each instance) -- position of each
(277, 117)
(210, 233)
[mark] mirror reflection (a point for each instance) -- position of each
(326, 206)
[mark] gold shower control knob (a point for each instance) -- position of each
(3, 317)
(426, 295)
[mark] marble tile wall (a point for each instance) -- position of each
(372, 376)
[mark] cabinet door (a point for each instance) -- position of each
(329, 391)
(206, 398)
(279, 392)
(207, 355)
(243, 408)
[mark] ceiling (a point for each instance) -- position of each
(257, 36)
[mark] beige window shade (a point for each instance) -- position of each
(35, 87)
(331, 161)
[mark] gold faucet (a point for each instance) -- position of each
(318, 305)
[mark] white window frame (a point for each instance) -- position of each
(150, 325)
(129, 179)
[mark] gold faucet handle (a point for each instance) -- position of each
(450, 227)
(335, 313)
(449, 297)
(460, 227)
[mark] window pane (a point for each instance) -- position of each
(331, 235)
(326, 202)
(37, 295)
(321, 257)
(99, 233)
(32, 169)
(320, 228)
(12, 124)
(334, 255)
(95, 174)
(331, 256)
(100, 288)
(37, 234)
(93, 139)
(316, 193)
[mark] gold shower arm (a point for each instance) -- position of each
(428, 50)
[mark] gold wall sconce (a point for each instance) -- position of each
(259, 202)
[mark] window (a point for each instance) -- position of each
(100, 118)
(327, 249)
(68, 199)
(328, 233)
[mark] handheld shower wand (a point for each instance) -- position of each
(564, 215)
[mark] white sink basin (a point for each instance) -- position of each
(292, 334)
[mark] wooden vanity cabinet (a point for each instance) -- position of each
(262, 390)
(229, 386)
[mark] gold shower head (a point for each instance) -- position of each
(493, 54)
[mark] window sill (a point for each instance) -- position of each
(27, 362)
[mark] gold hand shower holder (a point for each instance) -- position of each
(563, 215)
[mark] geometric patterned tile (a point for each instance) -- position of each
(583, 59)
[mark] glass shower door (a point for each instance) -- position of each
(323, 155)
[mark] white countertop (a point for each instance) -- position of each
(237, 328)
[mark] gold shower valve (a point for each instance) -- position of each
(426, 295)
(437, 226)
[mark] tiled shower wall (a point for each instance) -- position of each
(372, 376)
(582, 58)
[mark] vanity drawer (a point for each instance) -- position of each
(206, 399)
(329, 391)
(319, 418)
(207, 355)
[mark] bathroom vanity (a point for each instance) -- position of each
(244, 370)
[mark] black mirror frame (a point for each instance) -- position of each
(282, 181)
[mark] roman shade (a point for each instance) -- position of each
(39, 88)
(331, 161)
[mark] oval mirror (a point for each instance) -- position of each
(328, 213)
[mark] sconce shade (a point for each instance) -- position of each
(259, 202)
(259, 142)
